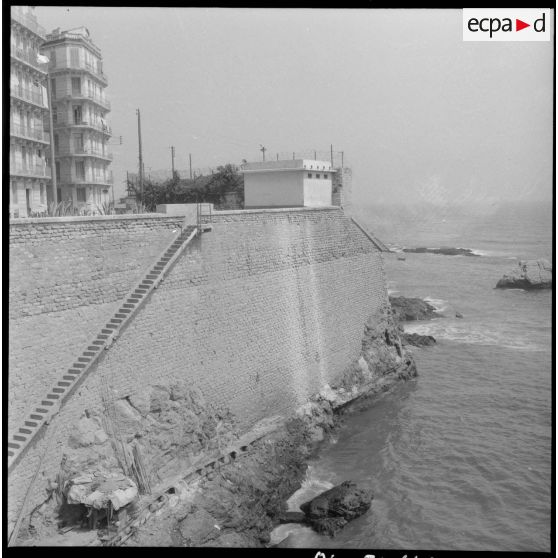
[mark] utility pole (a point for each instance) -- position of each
(172, 157)
(190, 157)
(52, 153)
(263, 150)
(140, 156)
(331, 149)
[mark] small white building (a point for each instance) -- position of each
(289, 183)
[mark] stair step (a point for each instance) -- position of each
(47, 403)
(78, 365)
(153, 276)
(99, 343)
(20, 438)
(104, 333)
(14, 445)
(10, 453)
(58, 390)
(124, 312)
(53, 396)
(121, 316)
(147, 282)
(25, 431)
(84, 359)
(64, 384)
(39, 410)
(111, 326)
(36, 417)
(71, 378)
(115, 321)
(31, 423)
(93, 347)
(128, 306)
(89, 353)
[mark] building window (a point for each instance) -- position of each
(57, 165)
(42, 194)
(309, 175)
(80, 194)
(59, 194)
(56, 142)
(53, 88)
(74, 57)
(77, 114)
(53, 58)
(76, 86)
(14, 192)
(317, 176)
(54, 115)
(80, 169)
(325, 175)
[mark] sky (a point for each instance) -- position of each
(420, 115)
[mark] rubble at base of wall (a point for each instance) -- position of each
(237, 503)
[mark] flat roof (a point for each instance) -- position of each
(287, 165)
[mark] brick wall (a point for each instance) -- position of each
(65, 276)
(259, 313)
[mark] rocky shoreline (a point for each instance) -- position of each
(237, 502)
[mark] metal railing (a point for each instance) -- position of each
(99, 127)
(95, 180)
(41, 171)
(336, 158)
(28, 95)
(84, 67)
(85, 151)
(30, 133)
(29, 57)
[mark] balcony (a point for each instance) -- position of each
(107, 130)
(28, 57)
(35, 171)
(85, 67)
(28, 133)
(28, 95)
(29, 21)
(96, 180)
(85, 151)
(103, 103)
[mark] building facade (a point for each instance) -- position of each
(30, 168)
(288, 183)
(79, 109)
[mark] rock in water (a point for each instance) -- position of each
(529, 274)
(410, 309)
(417, 340)
(334, 508)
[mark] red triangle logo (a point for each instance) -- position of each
(519, 25)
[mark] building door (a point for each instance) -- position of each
(28, 200)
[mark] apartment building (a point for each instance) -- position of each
(79, 109)
(30, 172)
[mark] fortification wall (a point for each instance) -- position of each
(259, 313)
(65, 276)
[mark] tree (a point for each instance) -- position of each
(212, 188)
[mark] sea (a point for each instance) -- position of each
(459, 458)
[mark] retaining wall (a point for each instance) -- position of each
(259, 313)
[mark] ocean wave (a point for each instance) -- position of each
(439, 304)
(492, 254)
(310, 488)
(466, 333)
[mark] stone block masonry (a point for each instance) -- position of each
(65, 276)
(259, 313)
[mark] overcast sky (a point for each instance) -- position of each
(418, 113)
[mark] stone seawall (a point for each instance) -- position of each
(258, 314)
(65, 276)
